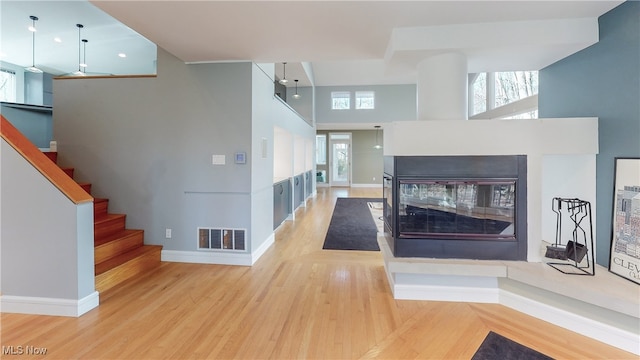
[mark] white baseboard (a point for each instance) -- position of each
(263, 248)
(49, 306)
(366, 185)
(445, 293)
(206, 257)
(217, 257)
(608, 334)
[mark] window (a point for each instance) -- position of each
(321, 149)
(479, 89)
(515, 85)
(490, 91)
(365, 100)
(8, 90)
(340, 100)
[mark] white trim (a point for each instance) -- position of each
(49, 306)
(263, 248)
(218, 257)
(206, 257)
(608, 334)
(446, 293)
(366, 185)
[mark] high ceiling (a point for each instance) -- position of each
(346, 42)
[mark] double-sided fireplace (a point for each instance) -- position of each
(463, 207)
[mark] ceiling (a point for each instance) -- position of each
(345, 42)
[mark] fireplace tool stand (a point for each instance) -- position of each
(577, 253)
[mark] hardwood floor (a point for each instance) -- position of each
(297, 302)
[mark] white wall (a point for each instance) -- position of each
(556, 156)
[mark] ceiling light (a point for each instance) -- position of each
(57, 39)
(122, 55)
(377, 145)
(296, 95)
(33, 67)
(284, 80)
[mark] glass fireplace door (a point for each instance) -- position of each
(479, 209)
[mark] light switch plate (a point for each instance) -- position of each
(218, 159)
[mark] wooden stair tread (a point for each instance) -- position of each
(122, 259)
(121, 234)
(108, 217)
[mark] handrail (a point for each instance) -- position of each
(42, 163)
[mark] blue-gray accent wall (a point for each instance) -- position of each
(602, 80)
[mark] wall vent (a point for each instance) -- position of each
(221, 239)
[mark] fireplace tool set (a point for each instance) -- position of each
(576, 253)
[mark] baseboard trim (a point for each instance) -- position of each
(263, 248)
(366, 185)
(206, 257)
(608, 334)
(216, 257)
(446, 293)
(49, 306)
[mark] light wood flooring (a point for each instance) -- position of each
(297, 302)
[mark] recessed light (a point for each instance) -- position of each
(122, 55)
(57, 39)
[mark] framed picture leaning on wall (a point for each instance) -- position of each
(625, 237)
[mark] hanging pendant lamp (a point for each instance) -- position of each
(32, 28)
(83, 64)
(284, 80)
(79, 72)
(377, 145)
(296, 95)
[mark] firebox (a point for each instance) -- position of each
(465, 207)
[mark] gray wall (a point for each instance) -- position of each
(147, 143)
(603, 81)
(33, 122)
(47, 240)
(392, 103)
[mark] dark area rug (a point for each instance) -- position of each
(497, 347)
(352, 226)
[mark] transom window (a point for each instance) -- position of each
(490, 91)
(340, 100)
(365, 100)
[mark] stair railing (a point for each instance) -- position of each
(42, 163)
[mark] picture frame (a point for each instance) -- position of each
(624, 259)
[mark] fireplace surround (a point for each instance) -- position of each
(456, 207)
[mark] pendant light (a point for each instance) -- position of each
(83, 65)
(79, 72)
(284, 80)
(296, 95)
(377, 145)
(32, 28)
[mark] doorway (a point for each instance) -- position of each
(340, 159)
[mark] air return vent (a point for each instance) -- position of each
(221, 239)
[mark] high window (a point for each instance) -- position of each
(340, 100)
(490, 91)
(365, 100)
(8, 90)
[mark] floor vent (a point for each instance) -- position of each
(221, 239)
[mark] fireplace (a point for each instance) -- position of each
(468, 207)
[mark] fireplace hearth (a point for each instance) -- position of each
(457, 207)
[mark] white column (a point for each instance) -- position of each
(442, 87)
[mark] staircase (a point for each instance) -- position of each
(119, 253)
